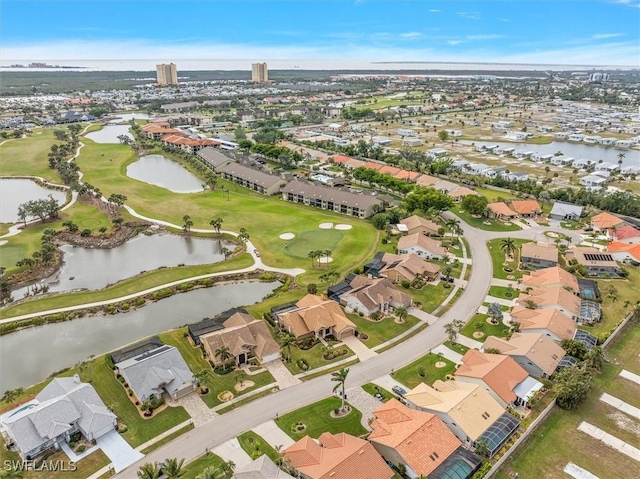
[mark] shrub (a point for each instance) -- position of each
(85, 232)
(405, 284)
(81, 448)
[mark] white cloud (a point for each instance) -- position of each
(491, 36)
(627, 3)
(602, 36)
(506, 20)
(435, 10)
(470, 15)
(410, 35)
(455, 42)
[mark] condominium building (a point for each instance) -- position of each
(259, 73)
(166, 74)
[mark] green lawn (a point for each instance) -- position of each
(374, 389)
(430, 296)
(259, 309)
(255, 446)
(494, 225)
(313, 357)
(381, 331)
(615, 309)
(498, 259)
(458, 348)
(479, 324)
(557, 441)
(195, 467)
(503, 292)
(28, 156)
(317, 419)
(424, 370)
(493, 195)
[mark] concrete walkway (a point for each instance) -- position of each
(388, 383)
(161, 436)
(71, 454)
(281, 374)
(358, 347)
(503, 302)
(122, 455)
(577, 472)
(468, 342)
(422, 316)
(630, 376)
(447, 353)
(271, 433)
(365, 403)
(504, 282)
(620, 405)
(231, 451)
(195, 406)
(609, 440)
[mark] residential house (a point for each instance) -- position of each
(499, 210)
(261, 468)
(421, 245)
(340, 201)
(253, 179)
(373, 295)
(551, 277)
(626, 253)
(435, 153)
(313, 316)
(552, 297)
(467, 410)
(605, 221)
(64, 407)
(517, 176)
(407, 267)
(420, 442)
(625, 234)
(410, 176)
(336, 456)
(427, 181)
(593, 181)
(549, 322)
(538, 354)
(504, 379)
(526, 208)
(244, 337)
(538, 255)
(156, 372)
(460, 192)
(565, 211)
(417, 224)
(595, 262)
(213, 157)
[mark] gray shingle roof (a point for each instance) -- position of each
(564, 209)
(213, 157)
(324, 193)
(249, 174)
(261, 468)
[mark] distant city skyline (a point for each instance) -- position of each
(593, 32)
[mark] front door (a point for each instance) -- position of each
(242, 358)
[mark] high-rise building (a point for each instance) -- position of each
(259, 73)
(166, 74)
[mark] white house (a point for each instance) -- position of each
(421, 245)
(406, 132)
(516, 135)
(607, 166)
(522, 154)
(576, 137)
(562, 160)
(593, 181)
(541, 157)
(435, 153)
(477, 168)
(504, 150)
(411, 142)
(517, 176)
(581, 163)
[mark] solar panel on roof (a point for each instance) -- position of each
(598, 257)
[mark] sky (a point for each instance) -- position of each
(577, 32)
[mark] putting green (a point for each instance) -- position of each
(310, 240)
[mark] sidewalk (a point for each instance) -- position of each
(468, 342)
(611, 441)
(447, 353)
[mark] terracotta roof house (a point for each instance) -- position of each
(418, 224)
(261, 468)
(389, 170)
(406, 175)
(354, 163)
(407, 267)
(467, 410)
(539, 255)
(596, 262)
(624, 252)
(421, 245)
(336, 456)
(245, 338)
(526, 208)
(372, 165)
(605, 221)
(550, 322)
(371, 295)
(426, 180)
(498, 374)
(538, 354)
(625, 234)
(420, 441)
(65, 406)
(314, 316)
(500, 210)
(551, 277)
(554, 297)
(460, 192)
(340, 159)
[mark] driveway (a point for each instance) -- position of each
(271, 433)
(195, 406)
(363, 402)
(281, 374)
(359, 348)
(447, 353)
(122, 455)
(231, 451)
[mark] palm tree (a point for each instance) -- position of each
(173, 468)
(9, 396)
(227, 468)
(187, 223)
(216, 224)
(330, 276)
(204, 379)
(621, 157)
(313, 255)
(402, 313)
(453, 224)
(244, 237)
(340, 377)
(210, 472)
(508, 246)
(286, 340)
(224, 355)
(149, 471)
(226, 252)
(327, 253)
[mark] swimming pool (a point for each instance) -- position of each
(23, 408)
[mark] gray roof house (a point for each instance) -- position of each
(261, 468)
(255, 180)
(565, 211)
(161, 370)
(62, 408)
(213, 157)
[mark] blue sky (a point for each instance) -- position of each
(512, 31)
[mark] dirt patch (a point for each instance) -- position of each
(440, 364)
(478, 334)
(398, 321)
(623, 422)
(245, 385)
(117, 237)
(225, 396)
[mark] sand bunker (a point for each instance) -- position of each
(287, 236)
(325, 259)
(325, 226)
(343, 227)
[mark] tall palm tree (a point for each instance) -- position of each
(173, 468)
(326, 254)
(227, 468)
(244, 237)
(210, 472)
(453, 224)
(621, 157)
(187, 223)
(224, 355)
(216, 224)
(402, 313)
(286, 340)
(204, 378)
(340, 377)
(149, 471)
(508, 246)
(313, 255)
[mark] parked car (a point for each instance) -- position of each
(256, 252)
(399, 391)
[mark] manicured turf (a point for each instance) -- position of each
(557, 441)
(615, 309)
(430, 296)
(503, 292)
(191, 470)
(423, 370)
(494, 225)
(28, 156)
(480, 321)
(458, 348)
(313, 357)
(255, 446)
(498, 258)
(314, 239)
(493, 195)
(374, 389)
(381, 331)
(317, 418)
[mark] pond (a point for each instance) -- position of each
(126, 117)
(15, 191)
(87, 268)
(109, 134)
(578, 151)
(161, 171)
(31, 355)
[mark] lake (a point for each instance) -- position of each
(31, 355)
(161, 171)
(86, 268)
(15, 191)
(109, 134)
